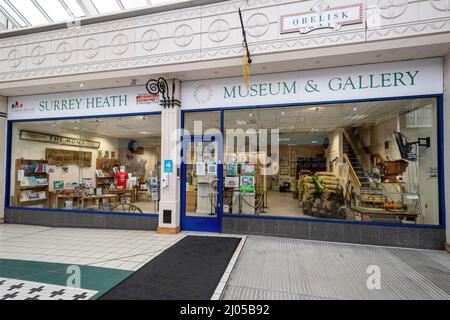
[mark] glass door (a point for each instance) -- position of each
(201, 184)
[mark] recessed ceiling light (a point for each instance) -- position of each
(241, 122)
(81, 85)
(145, 132)
(283, 113)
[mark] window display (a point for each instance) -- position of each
(87, 164)
(367, 161)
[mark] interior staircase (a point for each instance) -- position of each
(356, 164)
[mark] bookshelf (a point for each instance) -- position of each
(33, 190)
(104, 174)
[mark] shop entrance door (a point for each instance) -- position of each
(201, 183)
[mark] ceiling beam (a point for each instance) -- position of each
(67, 9)
(88, 7)
(17, 12)
(42, 11)
(120, 5)
(9, 18)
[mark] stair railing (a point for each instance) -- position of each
(354, 177)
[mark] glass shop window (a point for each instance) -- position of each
(370, 161)
(103, 164)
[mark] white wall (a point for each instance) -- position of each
(3, 108)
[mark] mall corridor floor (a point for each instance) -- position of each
(43, 263)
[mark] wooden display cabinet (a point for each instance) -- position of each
(33, 169)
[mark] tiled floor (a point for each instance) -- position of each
(275, 268)
(118, 249)
(267, 268)
(12, 289)
(35, 257)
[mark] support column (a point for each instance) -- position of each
(447, 146)
(169, 205)
(3, 128)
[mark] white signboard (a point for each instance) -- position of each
(393, 79)
(115, 101)
(320, 16)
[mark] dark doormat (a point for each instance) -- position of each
(189, 270)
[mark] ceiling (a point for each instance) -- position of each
(117, 127)
(32, 13)
(313, 122)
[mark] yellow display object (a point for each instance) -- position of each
(245, 68)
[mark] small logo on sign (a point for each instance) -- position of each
(203, 94)
(17, 105)
(146, 98)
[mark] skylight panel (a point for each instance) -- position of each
(75, 8)
(54, 9)
(30, 12)
(104, 7)
(7, 8)
(133, 4)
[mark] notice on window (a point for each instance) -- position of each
(20, 175)
(200, 169)
(212, 169)
(433, 172)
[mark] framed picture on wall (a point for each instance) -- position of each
(113, 154)
(284, 171)
(106, 154)
(99, 154)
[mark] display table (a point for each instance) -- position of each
(121, 192)
(370, 215)
(58, 200)
(98, 200)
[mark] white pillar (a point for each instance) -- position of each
(169, 205)
(3, 112)
(447, 144)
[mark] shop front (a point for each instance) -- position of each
(349, 154)
(87, 159)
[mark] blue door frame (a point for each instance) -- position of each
(205, 224)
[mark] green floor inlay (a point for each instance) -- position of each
(93, 278)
